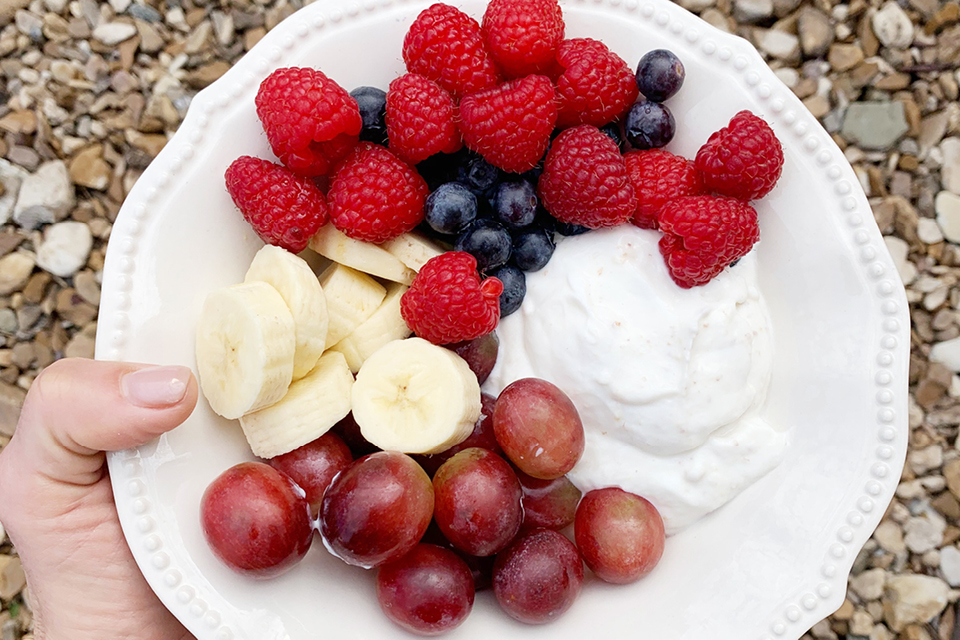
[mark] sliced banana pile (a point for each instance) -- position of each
(279, 352)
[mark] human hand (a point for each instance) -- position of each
(57, 504)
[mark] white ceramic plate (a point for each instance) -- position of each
(766, 566)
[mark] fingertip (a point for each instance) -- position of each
(157, 387)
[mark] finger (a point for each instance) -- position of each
(78, 408)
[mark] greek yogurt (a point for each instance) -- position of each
(669, 382)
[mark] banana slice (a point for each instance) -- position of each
(412, 249)
(300, 289)
(362, 256)
(352, 297)
(312, 405)
(415, 397)
(246, 342)
(383, 326)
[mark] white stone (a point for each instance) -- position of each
(111, 33)
(950, 565)
(929, 231)
(861, 623)
(893, 26)
(947, 206)
(752, 10)
(65, 248)
(790, 77)
(45, 196)
(947, 353)
(950, 170)
(779, 44)
(119, 6)
(15, 270)
(909, 489)
(869, 584)
(899, 249)
(12, 177)
(889, 537)
(913, 599)
(921, 534)
(926, 459)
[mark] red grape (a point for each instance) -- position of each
(377, 510)
(480, 354)
(538, 428)
(429, 591)
(538, 577)
(482, 436)
(550, 504)
(349, 431)
(477, 501)
(255, 520)
(314, 465)
(620, 534)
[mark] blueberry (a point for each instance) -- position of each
(373, 112)
(532, 249)
(479, 175)
(659, 75)
(569, 229)
(515, 203)
(450, 208)
(487, 241)
(649, 125)
(612, 131)
(514, 288)
(439, 168)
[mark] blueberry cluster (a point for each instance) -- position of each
(649, 123)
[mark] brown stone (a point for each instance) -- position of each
(928, 392)
(89, 169)
(11, 399)
(10, 239)
(868, 39)
(149, 143)
(893, 82)
(36, 287)
(947, 504)
(818, 105)
(948, 14)
(844, 56)
(912, 114)
(252, 36)
(863, 74)
(87, 287)
(908, 163)
(207, 74)
(845, 612)
(12, 577)
(74, 309)
(21, 121)
(951, 473)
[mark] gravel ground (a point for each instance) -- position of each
(90, 92)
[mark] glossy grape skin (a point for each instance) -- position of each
(482, 436)
(429, 591)
(548, 504)
(477, 501)
(480, 354)
(538, 428)
(620, 535)
(538, 577)
(377, 510)
(255, 520)
(481, 568)
(314, 465)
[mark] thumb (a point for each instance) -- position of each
(76, 409)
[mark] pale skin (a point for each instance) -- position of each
(57, 505)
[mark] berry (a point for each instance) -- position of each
(659, 75)
(532, 250)
(658, 176)
(514, 288)
(441, 167)
(284, 209)
(649, 125)
(585, 180)
(596, 85)
(374, 196)
(479, 175)
(522, 36)
(515, 204)
(444, 44)
(487, 241)
(447, 302)
(743, 160)
(311, 122)
(510, 125)
(450, 208)
(702, 235)
(373, 111)
(612, 130)
(421, 119)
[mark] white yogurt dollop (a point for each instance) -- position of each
(669, 382)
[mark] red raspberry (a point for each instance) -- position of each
(444, 44)
(311, 122)
(421, 119)
(585, 180)
(658, 176)
(522, 36)
(596, 86)
(284, 209)
(743, 160)
(448, 303)
(702, 235)
(510, 125)
(374, 196)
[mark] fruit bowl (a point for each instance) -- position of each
(768, 565)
